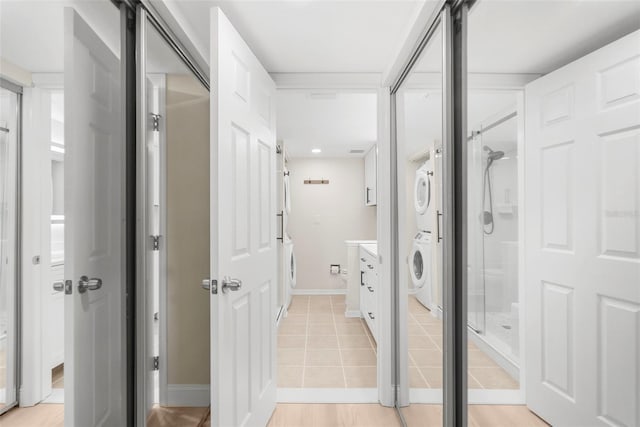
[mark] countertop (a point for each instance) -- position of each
(372, 248)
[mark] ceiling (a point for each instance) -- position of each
(334, 122)
(23, 43)
(514, 36)
(536, 36)
(32, 32)
(308, 35)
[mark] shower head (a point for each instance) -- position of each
(493, 155)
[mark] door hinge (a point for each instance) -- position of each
(155, 242)
(156, 363)
(156, 122)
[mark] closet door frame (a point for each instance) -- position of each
(452, 16)
(17, 317)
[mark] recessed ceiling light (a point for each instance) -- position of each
(316, 151)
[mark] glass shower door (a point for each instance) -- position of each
(475, 224)
(8, 236)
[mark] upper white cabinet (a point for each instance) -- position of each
(371, 177)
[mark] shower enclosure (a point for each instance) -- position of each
(493, 311)
(9, 120)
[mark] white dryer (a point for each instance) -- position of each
(289, 268)
(420, 267)
(424, 197)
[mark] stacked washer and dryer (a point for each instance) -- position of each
(420, 258)
(289, 259)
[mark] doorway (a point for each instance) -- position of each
(10, 107)
(326, 337)
(71, 226)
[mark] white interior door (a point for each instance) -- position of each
(243, 232)
(94, 223)
(583, 239)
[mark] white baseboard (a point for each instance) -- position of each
(475, 397)
(56, 396)
(318, 291)
(327, 395)
(188, 395)
(353, 313)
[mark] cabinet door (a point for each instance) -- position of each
(370, 177)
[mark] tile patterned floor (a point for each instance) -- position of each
(425, 355)
(318, 347)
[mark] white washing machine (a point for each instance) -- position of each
(424, 197)
(420, 267)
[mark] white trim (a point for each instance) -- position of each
(188, 395)
(306, 81)
(423, 13)
(327, 395)
(48, 80)
(475, 396)
(16, 75)
(477, 81)
(353, 313)
(56, 396)
(35, 239)
(522, 241)
(318, 291)
(386, 388)
(160, 81)
(169, 11)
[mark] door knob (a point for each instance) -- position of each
(206, 284)
(85, 284)
(231, 284)
(58, 286)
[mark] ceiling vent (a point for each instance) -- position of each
(323, 95)
(356, 151)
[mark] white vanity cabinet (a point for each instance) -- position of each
(369, 286)
(371, 177)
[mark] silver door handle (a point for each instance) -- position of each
(58, 286)
(85, 284)
(206, 284)
(231, 284)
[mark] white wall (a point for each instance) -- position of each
(324, 216)
(187, 124)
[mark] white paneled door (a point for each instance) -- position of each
(243, 232)
(583, 239)
(94, 220)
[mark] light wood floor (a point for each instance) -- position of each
(304, 415)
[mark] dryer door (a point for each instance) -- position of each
(422, 191)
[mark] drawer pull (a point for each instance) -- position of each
(370, 266)
(361, 278)
(370, 288)
(363, 260)
(371, 316)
